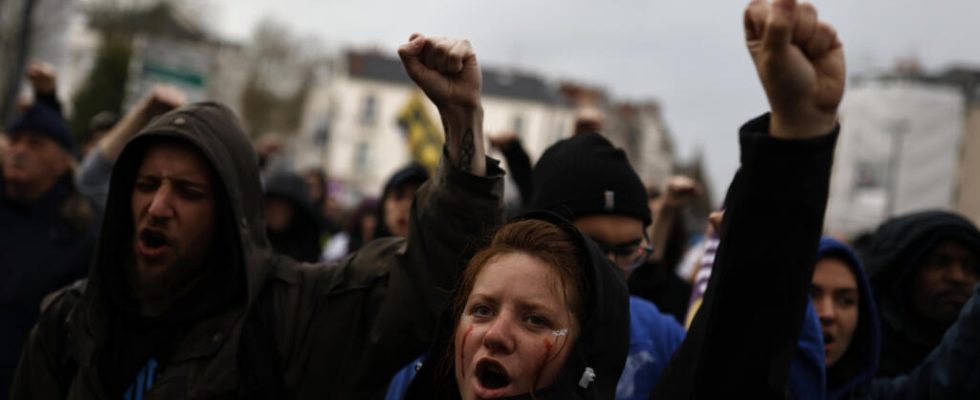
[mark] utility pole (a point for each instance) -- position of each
(898, 129)
(11, 83)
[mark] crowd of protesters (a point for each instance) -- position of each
(171, 257)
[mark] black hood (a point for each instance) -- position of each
(901, 243)
(301, 239)
(411, 173)
(239, 262)
(601, 348)
(898, 247)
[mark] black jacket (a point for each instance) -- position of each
(602, 346)
(744, 336)
(323, 331)
(301, 239)
(44, 246)
(898, 247)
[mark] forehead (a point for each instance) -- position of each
(32, 135)
(519, 277)
(954, 248)
(611, 229)
(175, 159)
(833, 273)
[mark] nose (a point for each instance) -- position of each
(961, 272)
(825, 309)
(161, 206)
(499, 338)
(16, 145)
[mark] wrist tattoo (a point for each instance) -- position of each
(466, 151)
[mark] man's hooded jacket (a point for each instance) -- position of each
(259, 325)
(899, 246)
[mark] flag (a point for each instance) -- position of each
(423, 137)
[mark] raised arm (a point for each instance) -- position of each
(447, 71)
(44, 80)
(743, 339)
(92, 177)
(451, 213)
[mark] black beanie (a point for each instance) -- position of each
(40, 119)
(586, 175)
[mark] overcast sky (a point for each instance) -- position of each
(687, 54)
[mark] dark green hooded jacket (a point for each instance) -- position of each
(261, 325)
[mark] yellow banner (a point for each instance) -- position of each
(423, 136)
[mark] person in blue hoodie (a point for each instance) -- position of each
(845, 304)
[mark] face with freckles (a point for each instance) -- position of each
(516, 329)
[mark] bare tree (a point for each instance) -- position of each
(280, 74)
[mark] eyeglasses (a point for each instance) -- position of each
(629, 256)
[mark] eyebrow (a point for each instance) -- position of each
(179, 181)
(629, 243)
(522, 305)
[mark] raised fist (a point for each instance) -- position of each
(800, 62)
(445, 69)
(42, 77)
(162, 99)
(681, 191)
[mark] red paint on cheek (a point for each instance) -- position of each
(548, 346)
(462, 349)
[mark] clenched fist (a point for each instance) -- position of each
(445, 69)
(800, 62)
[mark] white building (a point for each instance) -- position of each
(898, 152)
(351, 121)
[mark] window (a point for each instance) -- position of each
(369, 112)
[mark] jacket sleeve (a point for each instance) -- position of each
(452, 213)
(519, 166)
(951, 371)
(744, 336)
(44, 370)
(92, 178)
(49, 99)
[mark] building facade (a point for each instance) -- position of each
(351, 124)
(899, 151)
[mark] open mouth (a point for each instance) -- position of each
(153, 240)
(491, 374)
(828, 340)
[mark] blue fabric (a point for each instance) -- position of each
(807, 373)
(654, 336)
(867, 337)
(399, 383)
(143, 383)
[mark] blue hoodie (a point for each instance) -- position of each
(951, 370)
(856, 369)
